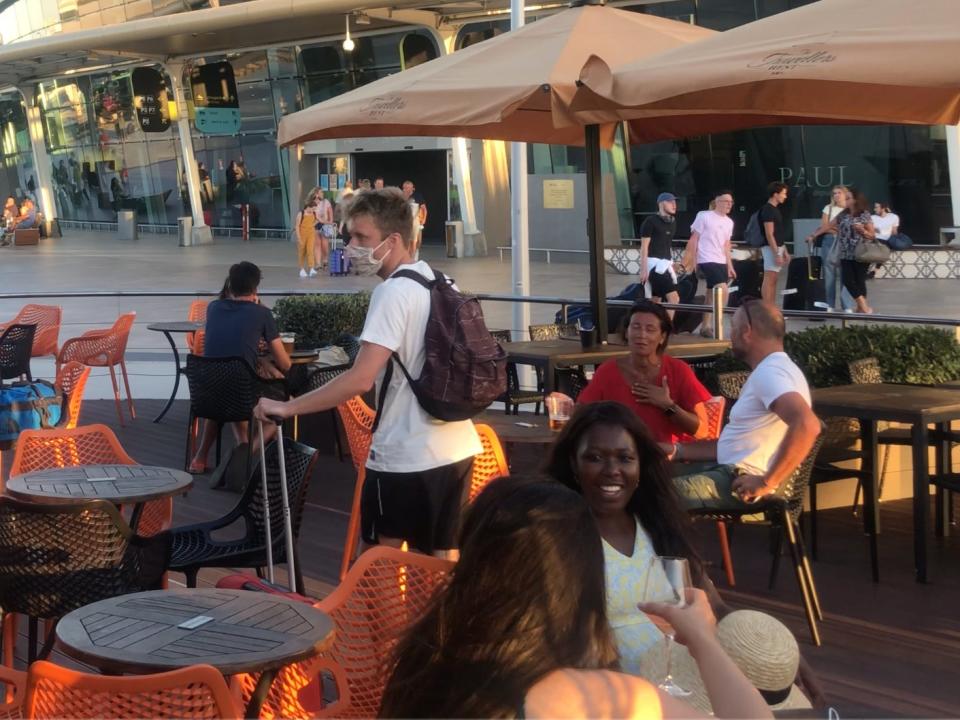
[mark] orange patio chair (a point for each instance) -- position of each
(47, 320)
(196, 313)
(357, 418)
(385, 592)
(86, 445)
(14, 684)
(103, 348)
(488, 465)
(715, 407)
(198, 691)
(72, 380)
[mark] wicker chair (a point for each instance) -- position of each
(552, 332)
(571, 381)
(350, 345)
(357, 418)
(72, 380)
(515, 395)
(194, 546)
(385, 592)
(16, 343)
(104, 348)
(47, 320)
(782, 512)
(198, 691)
(488, 465)
(57, 558)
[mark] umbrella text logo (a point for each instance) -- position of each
(381, 107)
(785, 61)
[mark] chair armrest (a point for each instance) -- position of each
(338, 708)
(94, 333)
(15, 682)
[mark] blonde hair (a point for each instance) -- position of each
(846, 193)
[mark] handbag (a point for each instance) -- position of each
(871, 251)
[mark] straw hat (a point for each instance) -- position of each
(762, 647)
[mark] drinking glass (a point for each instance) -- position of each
(677, 570)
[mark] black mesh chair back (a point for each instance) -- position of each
(321, 377)
(299, 460)
(56, 558)
(195, 547)
(16, 346)
(222, 389)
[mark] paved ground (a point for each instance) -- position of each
(87, 261)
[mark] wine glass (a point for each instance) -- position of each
(677, 570)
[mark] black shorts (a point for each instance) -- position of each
(661, 284)
(714, 273)
(422, 508)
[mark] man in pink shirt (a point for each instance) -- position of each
(709, 250)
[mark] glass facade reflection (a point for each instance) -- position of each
(103, 162)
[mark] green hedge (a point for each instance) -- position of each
(318, 320)
(924, 355)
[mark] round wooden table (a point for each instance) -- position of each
(120, 484)
(235, 631)
(524, 428)
(167, 328)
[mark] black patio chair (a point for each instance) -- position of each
(782, 513)
(16, 347)
(317, 379)
(194, 546)
(515, 396)
(223, 390)
(57, 558)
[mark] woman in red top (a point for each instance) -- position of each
(661, 390)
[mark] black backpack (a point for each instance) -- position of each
(754, 235)
(465, 368)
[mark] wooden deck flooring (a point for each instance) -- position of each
(890, 649)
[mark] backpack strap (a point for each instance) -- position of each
(388, 373)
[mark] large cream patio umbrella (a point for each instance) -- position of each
(830, 62)
(516, 86)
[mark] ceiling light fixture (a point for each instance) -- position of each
(348, 43)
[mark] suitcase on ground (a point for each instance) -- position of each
(339, 265)
(242, 581)
(802, 291)
(748, 282)
(688, 321)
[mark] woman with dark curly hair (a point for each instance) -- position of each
(521, 630)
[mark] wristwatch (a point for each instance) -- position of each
(671, 411)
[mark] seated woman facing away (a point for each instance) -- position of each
(661, 390)
(522, 631)
(607, 455)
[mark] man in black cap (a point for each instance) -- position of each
(656, 251)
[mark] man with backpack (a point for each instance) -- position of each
(419, 466)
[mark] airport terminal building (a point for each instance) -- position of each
(169, 108)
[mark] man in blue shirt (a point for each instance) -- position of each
(235, 327)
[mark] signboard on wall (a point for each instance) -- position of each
(151, 99)
(558, 195)
(215, 99)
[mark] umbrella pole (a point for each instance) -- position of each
(598, 281)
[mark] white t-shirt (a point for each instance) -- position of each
(831, 211)
(885, 225)
(407, 438)
(715, 231)
(754, 432)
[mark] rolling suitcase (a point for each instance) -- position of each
(805, 288)
(748, 281)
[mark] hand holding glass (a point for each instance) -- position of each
(677, 571)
